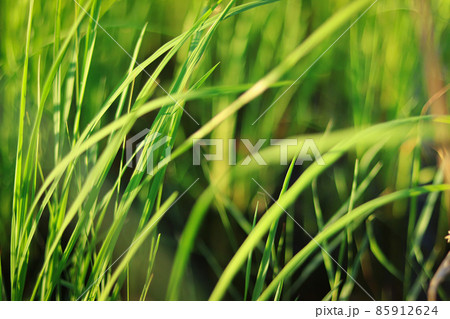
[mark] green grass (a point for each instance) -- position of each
(78, 79)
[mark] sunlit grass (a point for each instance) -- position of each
(75, 217)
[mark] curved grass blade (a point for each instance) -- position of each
(296, 189)
(355, 217)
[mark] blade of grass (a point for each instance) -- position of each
(354, 217)
(378, 252)
(131, 251)
(248, 270)
(264, 265)
(152, 257)
(296, 189)
(17, 216)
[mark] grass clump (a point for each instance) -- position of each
(78, 223)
